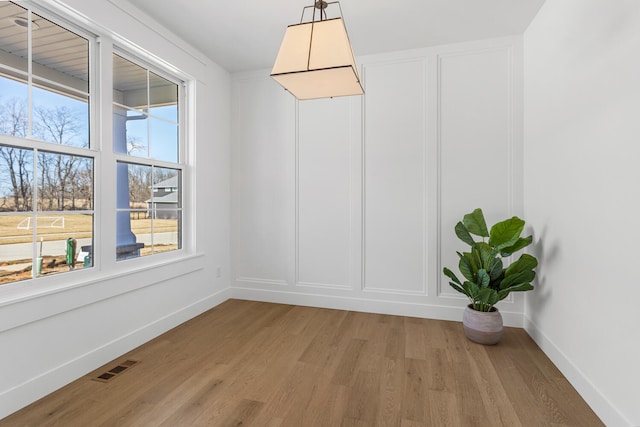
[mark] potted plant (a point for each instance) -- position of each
(487, 279)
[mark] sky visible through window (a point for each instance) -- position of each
(162, 128)
(47, 100)
(155, 136)
(67, 119)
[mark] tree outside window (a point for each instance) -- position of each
(46, 166)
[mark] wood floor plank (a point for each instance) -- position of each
(345, 371)
(415, 343)
(415, 405)
(364, 398)
(275, 365)
(391, 391)
(443, 406)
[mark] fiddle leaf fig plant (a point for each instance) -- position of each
(487, 281)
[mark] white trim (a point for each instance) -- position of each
(23, 394)
(424, 62)
(367, 305)
(85, 287)
(604, 408)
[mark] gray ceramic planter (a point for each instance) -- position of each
(482, 327)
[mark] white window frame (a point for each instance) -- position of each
(102, 45)
(35, 145)
(181, 164)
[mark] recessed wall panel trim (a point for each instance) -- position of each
(394, 177)
(324, 195)
(475, 87)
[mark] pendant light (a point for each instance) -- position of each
(316, 60)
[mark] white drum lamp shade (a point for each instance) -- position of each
(316, 61)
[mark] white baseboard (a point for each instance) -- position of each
(594, 398)
(427, 311)
(28, 392)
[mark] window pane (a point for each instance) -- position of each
(164, 141)
(13, 36)
(160, 234)
(65, 182)
(129, 84)
(166, 231)
(164, 209)
(16, 248)
(133, 194)
(139, 186)
(166, 188)
(137, 134)
(14, 116)
(130, 132)
(60, 56)
(63, 243)
(163, 98)
(16, 179)
(149, 220)
(59, 118)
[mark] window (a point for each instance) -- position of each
(46, 161)
(50, 160)
(146, 137)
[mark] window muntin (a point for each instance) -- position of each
(149, 176)
(46, 189)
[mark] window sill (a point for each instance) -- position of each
(67, 292)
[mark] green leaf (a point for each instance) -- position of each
(495, 268)
(493, 299)
(469, 264)
(506, 233)
(465, 267)
(483, 278)
(463, 234)
(472, 290)
(475, 223)
(451, 275)
(484, 295)
(524, 263)
(515, 279)
(485, 253)
(487, 298)
(458, 288)
(520, 244)
(521, 287)
(502, 294)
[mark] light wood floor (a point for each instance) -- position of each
(257, 364)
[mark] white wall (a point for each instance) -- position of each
(351, 202)
(60, 329)
(582, 147)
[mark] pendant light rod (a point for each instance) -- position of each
(320, 5)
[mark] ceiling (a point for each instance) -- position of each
(245, 35)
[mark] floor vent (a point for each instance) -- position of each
(117, 370)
